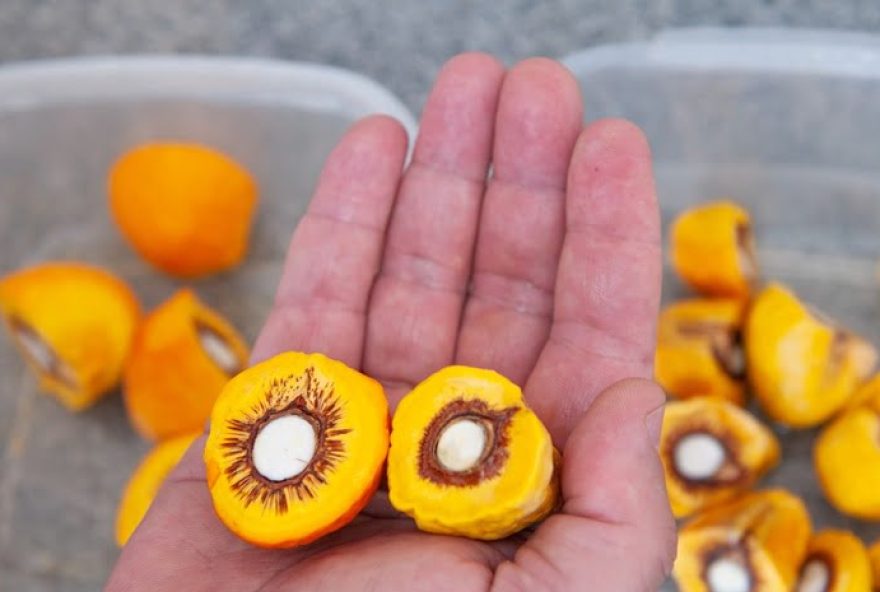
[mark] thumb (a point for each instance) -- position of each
(615, 531)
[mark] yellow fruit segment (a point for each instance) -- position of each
(836, 561)
(453, 480)
(756, 542)
(74, 325)
(802, 368)
(183, 355)
(847, 459)
(185, 208)
(296, 448)
(144, 483)
(699, 353)
(713, 250)
(712, 451)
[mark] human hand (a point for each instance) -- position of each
(549, 273)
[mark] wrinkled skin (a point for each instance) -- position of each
(549, 272)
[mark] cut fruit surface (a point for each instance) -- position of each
(296, 448)
(836, 561)
(699, 350)
(712, 451)
(469, 458)
(74, 325)
(756, 543)
(183, 355)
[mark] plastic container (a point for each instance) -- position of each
(787, 123)
(61, 126)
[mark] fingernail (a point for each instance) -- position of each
(654, 423)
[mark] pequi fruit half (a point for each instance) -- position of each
(713, 249)
(296, 448)
(469, 458)
(847, 460)
(803, 368)
(755, 543)
(874, 557)
(836, 561)
(712, 451)
(699, 350)
(183, 354)
(74, 325)
(145, 482)
(185, 208)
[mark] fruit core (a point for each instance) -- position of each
(40, 353)
(728, 571)
(284, 447)
(217, 348)
(815, 576)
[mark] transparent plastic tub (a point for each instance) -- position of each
(61, 125)
(787, 123)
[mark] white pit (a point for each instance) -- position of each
(699, 456)
(219, 351)
(726, 574)
(815, 577)
(461, 445)
(284, 448)
(35, 348)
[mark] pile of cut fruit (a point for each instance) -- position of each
(804, 371)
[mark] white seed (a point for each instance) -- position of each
(219, 351)
(461, 445)
(35, 348)
(699, 456)
(727, 574)
(815, 577)
(284, 447)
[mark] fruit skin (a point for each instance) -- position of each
(707, 249)
(184, 207)
(874, 557)
(86, 315)
(772, 527)
(347, 487)
(847, 460)
(847, 558)
(753, 446)
(686, 364)
(145, 482)
(170, 382)
(524, 490)
(802, 369)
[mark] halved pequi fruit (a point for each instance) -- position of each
(296, 448)
(183, 354)
(74, 325)
(847, 459)
(712, 451)
(699, 350)
(836, 561)
(755, 543)
(803, 368)
(186, 208)
(713, 249)
(145, 482)
(469, 458)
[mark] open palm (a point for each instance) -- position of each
(547, 270)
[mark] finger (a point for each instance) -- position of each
(616, 530)
(507, 316)
(336, 249)
(416, 304)
(608, 285)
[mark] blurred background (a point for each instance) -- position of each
(742, 130)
